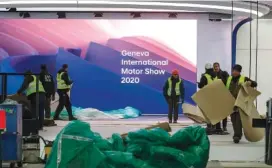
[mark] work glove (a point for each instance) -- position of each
(248, 83)
(53, 97)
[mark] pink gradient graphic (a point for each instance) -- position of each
(44, 37)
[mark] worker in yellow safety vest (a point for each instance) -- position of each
(173, 92)
(234, 83)
(207, 78)
(29, 87)
(63, 87)
(223, 75)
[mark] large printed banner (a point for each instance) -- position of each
(113, 63)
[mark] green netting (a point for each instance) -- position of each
(77, 146)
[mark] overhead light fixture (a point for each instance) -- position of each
(24, 14)
(6, 2)
(215, 20)
(11, 9)
(61, 15)
(143, 4)
(173, 15)
(229, 8)
(98, 9)
(98, 14)
(136, 15)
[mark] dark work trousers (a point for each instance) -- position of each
(47, 106)
(173, 107)
(224, 124)
(64, 101)
(210, 127)
(41, 103)
(237, 124)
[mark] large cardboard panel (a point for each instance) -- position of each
(193, 113)
(215, 101)
(248, 111)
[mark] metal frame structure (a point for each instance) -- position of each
(5, 87)
(267, 124)
(3, 97)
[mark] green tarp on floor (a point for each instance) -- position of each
(76, 146)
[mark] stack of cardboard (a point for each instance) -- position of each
(215, 103)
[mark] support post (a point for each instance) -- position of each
(267, 124)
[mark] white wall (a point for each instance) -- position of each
(264, 57)
(213, 44)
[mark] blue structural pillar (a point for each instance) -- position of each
(234, 39)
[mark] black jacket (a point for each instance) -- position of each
(48, 83)
(203, 80)
(66, 79)
(27, 80)
(223, 75)
(174, 82)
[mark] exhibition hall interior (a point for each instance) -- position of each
(135, 84)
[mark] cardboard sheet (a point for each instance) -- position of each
(248, 111)
(19, 98)
(215, 101)
(193, 113)
(245, 99)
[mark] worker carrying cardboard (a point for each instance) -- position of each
(206, 79)
(63, 87)
(223, 75)
(234, 83)
(173, 91)
(29, 87)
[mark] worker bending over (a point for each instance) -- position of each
(63, 87)
(29, 87)
(234, 83)
(173, 91)
(223, 75)
(206, 79)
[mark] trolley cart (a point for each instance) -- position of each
(11, 139)
(2, 130)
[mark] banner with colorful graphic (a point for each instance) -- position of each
(113, 63)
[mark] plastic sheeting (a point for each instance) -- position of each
(94, 114)
(9, 101)
(77, 146)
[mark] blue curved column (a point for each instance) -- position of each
(234, 39)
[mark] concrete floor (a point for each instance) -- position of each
(222, 147)
(223, 152)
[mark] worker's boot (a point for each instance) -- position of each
(72, 118)
(208, 131)
(57, 118)
(236, 140)
(170, 121)
(175, 121)
(225, 129)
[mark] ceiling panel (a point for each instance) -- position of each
(224, 7)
